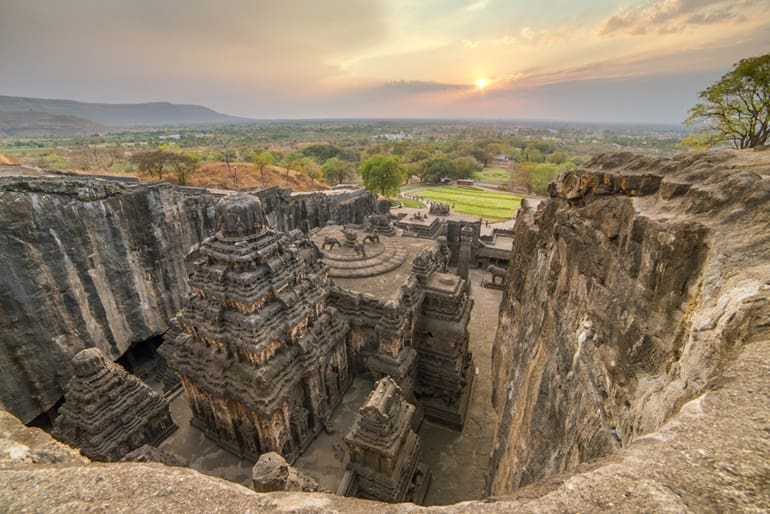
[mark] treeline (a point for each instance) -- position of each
(528, 163)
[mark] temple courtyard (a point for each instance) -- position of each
(457, 460)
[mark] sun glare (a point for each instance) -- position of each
(481, 83)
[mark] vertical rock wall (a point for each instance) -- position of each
(626, 291)
(86, 263)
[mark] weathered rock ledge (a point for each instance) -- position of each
(628, 293)
(713, 456)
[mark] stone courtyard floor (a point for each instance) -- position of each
(458, 461)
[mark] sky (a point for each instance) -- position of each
(591, 60)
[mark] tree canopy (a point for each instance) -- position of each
(382, 173)
(336, 171)
(736, 108)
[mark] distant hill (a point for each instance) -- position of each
(154, 114)
(35, 124)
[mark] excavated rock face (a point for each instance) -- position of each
(86, 263)
(627, 291)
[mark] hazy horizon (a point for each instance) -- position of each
(591, 62)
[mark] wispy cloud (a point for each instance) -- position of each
(672, 16)
(475, 6)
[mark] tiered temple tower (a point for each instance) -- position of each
(384, 450)
(107, 411)
(262, 359)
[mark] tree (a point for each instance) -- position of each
(183, 163)
(465, 166)
(154, 162)
(261, 160)
(229, 156)
(382, 173)
(436, 168)
(336, 171)
(291, 161)
(309, 167)
(736, 108)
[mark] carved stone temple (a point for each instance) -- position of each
(107, 411)
(408, 318)
(263, 359)
(384, 450)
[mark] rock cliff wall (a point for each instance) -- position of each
(628, 290)
(87, 262)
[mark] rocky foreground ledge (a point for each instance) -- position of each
(632, 362)
(713, 456)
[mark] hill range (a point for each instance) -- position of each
(22, 117)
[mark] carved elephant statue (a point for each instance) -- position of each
(330, 242)
(497, 272)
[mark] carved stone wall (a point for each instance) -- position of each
(108, 412)
(384, 450)
(262, 358)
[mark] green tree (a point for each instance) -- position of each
(182, 164)
(541, 176)
(336, 171)
(261, 160)
(736, 108)
(228, 155)
(436, 168)
(465, 166)
(154, 162)
(382, 173)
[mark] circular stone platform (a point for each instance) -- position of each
(344, 262)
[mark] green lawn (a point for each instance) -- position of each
(496, 175)
(473, 200)
(406, 202)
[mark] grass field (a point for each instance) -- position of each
(473, 200)
(496, 175)
(414, 204)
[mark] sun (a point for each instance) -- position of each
(481, 83)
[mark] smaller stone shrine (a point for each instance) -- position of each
(108, 412)
(384, 450)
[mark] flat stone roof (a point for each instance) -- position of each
(382, 285)
(453, 216)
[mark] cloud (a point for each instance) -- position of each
(672, 16)
(475, 6)
(419, 86)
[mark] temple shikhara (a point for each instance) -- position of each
(277, 325)
(107, 411)
(262, 357)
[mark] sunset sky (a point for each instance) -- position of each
(593, 60)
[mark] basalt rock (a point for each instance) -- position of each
(85, 263)
(273, 473)
(108, 412)
(627, 292)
